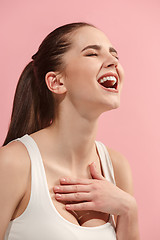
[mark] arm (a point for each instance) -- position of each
(127, 223)
(12, 182)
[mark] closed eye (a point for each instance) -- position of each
(92, 54)
(95, 54)
(116, 56)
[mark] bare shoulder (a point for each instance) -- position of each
(14, 166)
(14, 173)
(122, 170)
(15, 156)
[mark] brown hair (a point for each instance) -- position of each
(33, 104)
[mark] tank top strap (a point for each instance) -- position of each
(106, 162)
(37, 175)
(107, 169)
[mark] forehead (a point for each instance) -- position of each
(89, 36)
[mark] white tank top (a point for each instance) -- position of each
(41, 220)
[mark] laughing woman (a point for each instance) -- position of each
(56, 181)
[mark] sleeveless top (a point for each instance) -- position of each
(40, 220)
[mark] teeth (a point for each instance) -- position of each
(108, 78)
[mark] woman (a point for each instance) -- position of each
(57, 182)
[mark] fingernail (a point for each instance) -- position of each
(58, 195)
(92, 163)
(68, 207)
(63, 180)
(56, 188)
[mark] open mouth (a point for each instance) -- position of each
(109, 81)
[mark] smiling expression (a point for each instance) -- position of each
(90, 58)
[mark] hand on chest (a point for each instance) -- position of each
(88, 218)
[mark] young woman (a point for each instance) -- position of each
(56, 181)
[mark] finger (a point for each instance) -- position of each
(67, 180)
(74, 197)
(94, 172)
(71, 188)
(80, 206)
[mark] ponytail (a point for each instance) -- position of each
(29, 108)
(34, 106)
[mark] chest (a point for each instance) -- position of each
(53, 172)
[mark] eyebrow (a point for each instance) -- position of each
(99, 47)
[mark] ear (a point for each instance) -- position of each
(55, 83)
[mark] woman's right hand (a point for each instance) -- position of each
(97, 194)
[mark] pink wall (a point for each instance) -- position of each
(133, 129)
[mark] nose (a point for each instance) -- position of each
(111, 61)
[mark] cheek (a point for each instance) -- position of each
(81, 74)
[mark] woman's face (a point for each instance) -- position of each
(84, 67)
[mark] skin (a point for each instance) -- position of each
(80, 102)
(84, 99)
(84, 102)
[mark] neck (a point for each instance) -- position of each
(73, 140)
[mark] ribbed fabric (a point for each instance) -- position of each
(41, 220)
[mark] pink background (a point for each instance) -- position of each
(133, 129)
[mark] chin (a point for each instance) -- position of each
(116, 105)
(112, 106)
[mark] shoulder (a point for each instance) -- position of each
(14, 150)
(14, 160)
(122, 171)
(14, 173)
